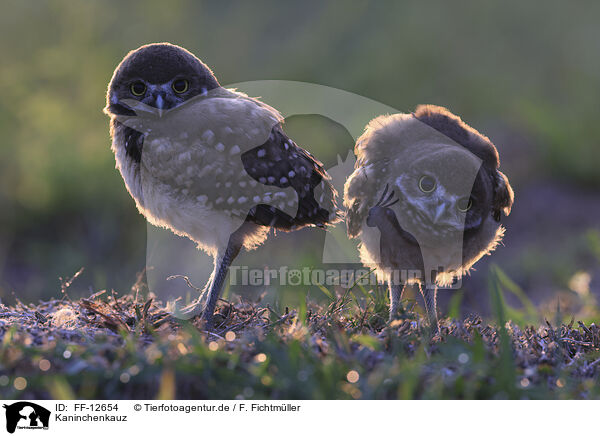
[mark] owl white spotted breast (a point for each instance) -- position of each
(207, 162)
(425, 200)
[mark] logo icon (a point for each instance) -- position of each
(26, 415)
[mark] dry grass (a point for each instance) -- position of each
(106, 346)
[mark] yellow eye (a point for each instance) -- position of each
(427, 184)
(138, 88)
(180, 86)
(464, 204)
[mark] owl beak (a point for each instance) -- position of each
(160, 103)
(438, 212)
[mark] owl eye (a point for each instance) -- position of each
(180, 86)
(427, 184)
(138, 88)
(464, 204)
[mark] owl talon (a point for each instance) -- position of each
(385, 201)
(381, 199)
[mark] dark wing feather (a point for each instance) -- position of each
(280, 162)
(134, 143)
(503, 195)
(353, 217)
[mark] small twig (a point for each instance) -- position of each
(364, 316)
(96, 295)
(146, 309)
(40, 317)
(187, 280)
(140, 279)
(214, 334)
(594, 363)
(281, 319)
(585, 329)
(573, 341)
(111, 321)
(117, 305)
(65, 284)
(238, 326)
(270, 309)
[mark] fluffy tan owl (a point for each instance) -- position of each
(425, 200)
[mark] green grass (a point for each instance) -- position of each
(134, 351)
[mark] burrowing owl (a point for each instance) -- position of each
(207, 162)
(425, 199)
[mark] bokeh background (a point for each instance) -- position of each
(525, 75)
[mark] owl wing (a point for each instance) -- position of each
(503, 195)
(355, 210)
(282, 163)
(229, 153)
(360, 193)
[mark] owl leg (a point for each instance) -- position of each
(223, 260)
(396, 292)
(430, 299)
(222, 263)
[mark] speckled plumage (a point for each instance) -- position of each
(214, 165)
(403, 228)
(226, 153)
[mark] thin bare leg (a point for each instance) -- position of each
(396, 292)
(430, 299)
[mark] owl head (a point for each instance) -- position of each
(159, 75)
(445, 172)
(426, 193)
(442, 192)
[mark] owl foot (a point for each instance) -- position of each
(396, 292)
(194, 309)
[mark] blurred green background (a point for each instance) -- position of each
(527, 75)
